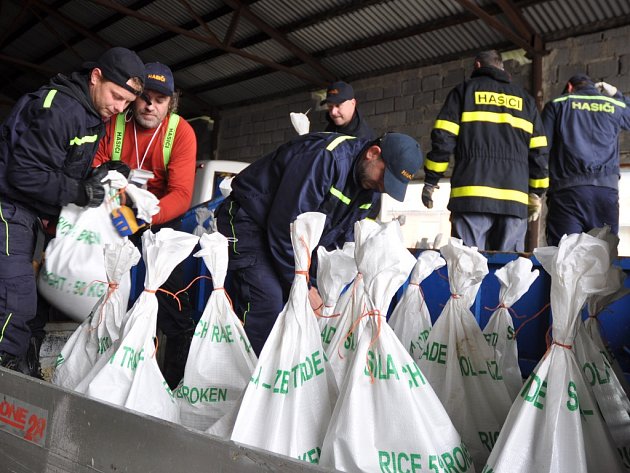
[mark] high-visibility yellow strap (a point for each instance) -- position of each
(76, 141)
(435, 166)
(119, 135)
(49, 98)
(6, 324)
(539, 183)
(445, 125)
(538, 142)
(337, 193)
(494, 117)
(365, 206)
(490, 193)
(618, 103)
(337, 141)
(169, 138)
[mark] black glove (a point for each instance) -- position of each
(119, 166)
(427, 193)
(91, 191)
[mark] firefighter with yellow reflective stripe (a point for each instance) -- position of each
(46, 148)
(494, 130)
(583, 127)
(338, 175)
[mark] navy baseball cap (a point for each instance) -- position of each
(338, 92)
(577, 78)
(159, 78)
(403, 158)
(119, 65)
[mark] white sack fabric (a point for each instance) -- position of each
(290, 397)
(220, 360)
(98, 332)
(515, 278)
(130, 376)
(410, 319)
(459, 363)
(73, 277)
(335, 270)
(387, 417)
(554, 426)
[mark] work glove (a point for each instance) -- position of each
(115, 180)
(534, 205)
(427, 193)
(606, 89)
(119, 166)
(91, 191)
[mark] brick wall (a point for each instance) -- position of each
(409, 101)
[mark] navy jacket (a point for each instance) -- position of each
(312, 173)
(47, 144)
(582, 130)
(357, 127)
(495, 132)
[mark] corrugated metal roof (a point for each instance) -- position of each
(326, 39)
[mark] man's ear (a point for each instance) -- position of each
(373, 153)
(570, 87)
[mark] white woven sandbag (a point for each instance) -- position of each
(459, 363)
(554, 426)
(290, 397)
(131, 376)
(73, 276)
(220, 360)
(97, 333)
(387, 417)
(515, 279)
(612, 400)
(335, 270)
(410, 319)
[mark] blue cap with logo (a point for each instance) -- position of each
(338, 92)
(159, 78)
(403, 158)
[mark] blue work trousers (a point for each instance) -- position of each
(18, 293)
(490, 232)
(580, 209)
(255, 287)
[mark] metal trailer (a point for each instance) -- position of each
(45, 428)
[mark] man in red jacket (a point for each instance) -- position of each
(160, 150)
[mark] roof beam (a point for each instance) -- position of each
(516, 17)
(280, 38)
(210, 41)
(497, 25)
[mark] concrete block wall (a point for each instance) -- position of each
(409, 101)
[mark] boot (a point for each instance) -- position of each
(33, 368)
(175, 357)
(9, 361)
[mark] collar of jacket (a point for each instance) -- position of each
(494, 72)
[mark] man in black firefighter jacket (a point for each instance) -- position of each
(494, 130)
(343, 115)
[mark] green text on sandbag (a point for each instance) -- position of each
(399, 462)
(534, 391)
(128, 356)
(200, 395)
(293, 378)
(487, 469)
(416, 344)
(596, 375)
(201, 330)
(103, 344)
(59, 361)
(312, 456)
(435, 352)
(93, 289)
(488, 439)
(350, 343)
(491, 338)
(64, 227)
(456, 461)
(54, 280)
(468, 369)
(327, 334)
(573, 404)
(379, 368)
(416, 378)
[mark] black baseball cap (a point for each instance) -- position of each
(159, 78)
(119, 65)
(403, 158)
(338, 92)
